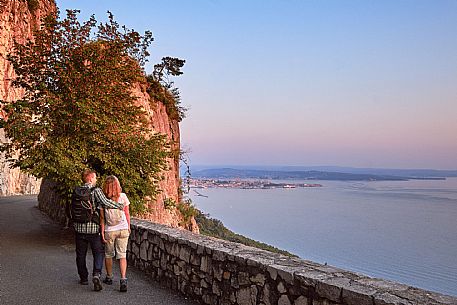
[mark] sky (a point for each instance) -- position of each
(296, 82)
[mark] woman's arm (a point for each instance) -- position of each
(102, 224)
(127, 215)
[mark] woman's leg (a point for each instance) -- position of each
(109, 266)
(123, 267)
(109, 254)
(121, 251)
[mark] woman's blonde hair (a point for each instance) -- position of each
(112, 188)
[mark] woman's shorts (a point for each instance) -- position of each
(116, 243)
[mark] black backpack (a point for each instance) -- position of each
(83, 209)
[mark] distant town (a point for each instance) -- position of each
(245, 184)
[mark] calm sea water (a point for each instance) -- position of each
(402, 231)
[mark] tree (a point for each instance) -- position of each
(161, 87)
(78, 109)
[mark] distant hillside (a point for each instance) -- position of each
(412, 173)
(230, 173)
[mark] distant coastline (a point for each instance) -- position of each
(230, 174)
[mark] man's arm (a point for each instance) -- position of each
(105, 202)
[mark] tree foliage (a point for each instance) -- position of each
(78, 109)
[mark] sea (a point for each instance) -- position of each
(405, 231)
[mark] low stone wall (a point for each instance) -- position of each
(50, 202)
(220, 272)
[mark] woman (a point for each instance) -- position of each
(115, 227)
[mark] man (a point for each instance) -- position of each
(89, 232)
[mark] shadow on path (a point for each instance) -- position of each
(37, 264)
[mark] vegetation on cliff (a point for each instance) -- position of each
(215, 228)
(78, 109)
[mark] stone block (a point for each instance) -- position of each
(218, 255)
(294, 291)
(144, 250)
(161, 245)
(204, 284)
(389, 299)
(287, 276)
(195, 259)
(150, 253)
(243, 279)
(321, 302)
(215, 289)
(356, 294)
(247, 296)
(135, 250)
(208, 251)
(240, 261)
(226, 275)
(301, 300)
(144, 236)
(156, 263)
(163, 262)
(176, 270)
(272, 272)
(259, 279)
(206, 299)
(284, 300)
(200, 249)
(184, 254)
(281, 288)
(232, 267)
(232, 297)
(332, 288)
(206, 264)
(218, 272)
(265, 296)
(197, 291)
(234, 282)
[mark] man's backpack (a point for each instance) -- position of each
(83, 209)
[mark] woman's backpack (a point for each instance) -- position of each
(113, 217)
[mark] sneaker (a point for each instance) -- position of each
(83, 282)
(123, 287)
(108, 280)
(97, 283)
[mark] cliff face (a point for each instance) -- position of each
(18, 19)
(159, 121)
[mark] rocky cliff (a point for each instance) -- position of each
(160, 121)
(18, 19)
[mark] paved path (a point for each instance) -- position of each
(37, 264)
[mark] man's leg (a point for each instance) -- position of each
(98, 252)
(81, 251)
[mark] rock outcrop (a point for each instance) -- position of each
(160, 121)
(18, 19)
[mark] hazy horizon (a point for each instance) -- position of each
(355, 83)
(247, 166)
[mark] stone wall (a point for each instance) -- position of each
(220, 272)
(51, 203)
